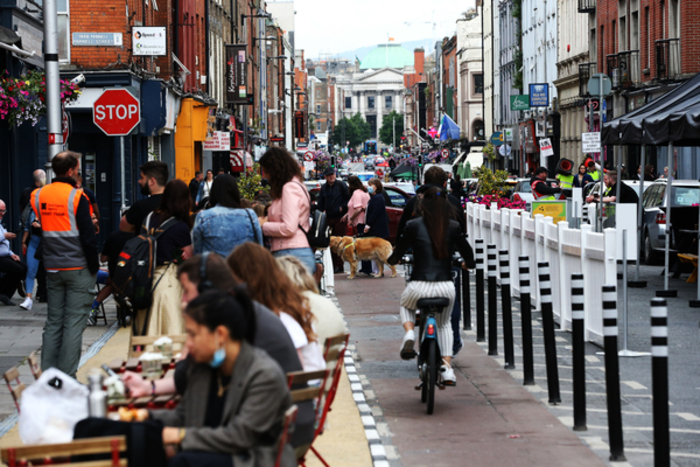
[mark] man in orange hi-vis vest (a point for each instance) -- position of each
(70, 259)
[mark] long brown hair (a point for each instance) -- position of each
(280, 168)
(354, 183)
(176, 202)
(269, 285)
(435, 210)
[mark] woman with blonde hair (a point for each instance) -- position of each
(269, 285)
(329, 320)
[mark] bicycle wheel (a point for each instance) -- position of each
(423, 374)
(431, 374)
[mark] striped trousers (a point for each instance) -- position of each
(415, 290)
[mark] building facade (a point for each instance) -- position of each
(470, 89)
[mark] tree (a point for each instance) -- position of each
(355, 129)
(389, 128)
(363, 129)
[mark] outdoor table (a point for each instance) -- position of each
(692, 259)
(161, 401)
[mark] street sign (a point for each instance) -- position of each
(539, 95)
(445, 153)
(590, 142)
(150, 40)
(497, 138)
(504, 150)
(116, 112)
(519, 102)
(309, 156)
(508, 135)
(594, 83)
(546, 147)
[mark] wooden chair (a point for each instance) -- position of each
(34, 365)
(12, 375)
(47, 453)
(140, 342)
(333, 353)
(289, 417)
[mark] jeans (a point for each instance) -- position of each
(70, 295)
(32, 264)
(305, 255)
(14, 272)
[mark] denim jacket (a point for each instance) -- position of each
(220, 229)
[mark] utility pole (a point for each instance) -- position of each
(53, 82)
(393, 131)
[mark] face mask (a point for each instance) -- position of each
(218, 359)
(370, 189)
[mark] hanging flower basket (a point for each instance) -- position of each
(23, 99)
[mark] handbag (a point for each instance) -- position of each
(319, 235)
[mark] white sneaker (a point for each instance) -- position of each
(27, 304)
(407, 352)
(448, 374)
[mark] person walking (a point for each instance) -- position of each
(194, 186)
(205, 187)
(69, 252)
(154, 176)
(376, 222)
(333, 200)
(10, 264)
(226, 224)
(287, 218)
(31, 238)
(39, 177)
(357, 205)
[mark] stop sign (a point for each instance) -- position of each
(116, 112)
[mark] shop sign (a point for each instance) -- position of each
(218, 141)
(149, 41)
(299, 124)
(236, 92)
(519, 102)
(539, 95)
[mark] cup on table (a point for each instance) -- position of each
(152, 365)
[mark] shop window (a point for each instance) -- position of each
(479, 84)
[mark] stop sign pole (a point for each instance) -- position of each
(117, 112)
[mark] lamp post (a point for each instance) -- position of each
(252, 69)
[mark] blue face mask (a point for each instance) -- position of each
(370, 189)
(218, 359)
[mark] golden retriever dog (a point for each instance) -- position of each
(354, 250)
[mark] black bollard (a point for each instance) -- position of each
(659, 381)
(579, 352)
(550, 346)
(493, 300)
(507, 310)
(526, 317)
(612, 374)
(466, 301)
(480, 322)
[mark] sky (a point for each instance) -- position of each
(335, 26)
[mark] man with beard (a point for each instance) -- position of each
(154, 177)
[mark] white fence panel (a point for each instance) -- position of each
(528, 249)
(551, 255)
(513, 247)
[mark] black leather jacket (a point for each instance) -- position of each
(425, 266)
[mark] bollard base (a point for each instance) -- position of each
(529, 383)
(632, 353)
(666, 293)
(636, 284)
(493, 353)
(618, 458)
(510, 366)
(554, 401)
(580, 428)
(467, 328)
(694, 303)
(483, 339)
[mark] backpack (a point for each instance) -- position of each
(319, 235)
(133, 275)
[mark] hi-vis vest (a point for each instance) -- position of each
(55, 206)
(538, 196)
(566, 182)
(595, 175)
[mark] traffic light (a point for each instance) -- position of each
(333, 162)
(420, 161)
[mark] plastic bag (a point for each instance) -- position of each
(50, 408)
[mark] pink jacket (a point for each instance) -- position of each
(358, 200)
(285, 216)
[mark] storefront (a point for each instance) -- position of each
(192, 124)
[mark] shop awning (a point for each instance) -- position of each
(674, 117)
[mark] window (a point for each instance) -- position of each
(370, 102)
(647, 39)
(602, 45)
(318, 109)
(674, 19)
(62, 8)
(387, 102)
(348, 102)
(479, 84)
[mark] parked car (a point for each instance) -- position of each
(684, 193)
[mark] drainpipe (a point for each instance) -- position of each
(207, 43)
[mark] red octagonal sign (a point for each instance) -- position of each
(116, 112)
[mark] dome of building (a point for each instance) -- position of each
(387, 56)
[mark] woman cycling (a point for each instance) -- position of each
(433, 237)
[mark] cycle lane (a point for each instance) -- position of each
(487, 419)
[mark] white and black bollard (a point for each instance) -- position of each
(659, 381)
(550, 346)
(466, 301)
(584, 214)
(480, 321)
(507, 310)
(612, 374)
(493, 299)
(526, 318)
(579, 352)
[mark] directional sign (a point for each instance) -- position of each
(116, 112)
(539, 95)
(590, 142)
(554, 209)
(519, 102)
(546, 147)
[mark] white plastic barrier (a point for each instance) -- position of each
(567, 250)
